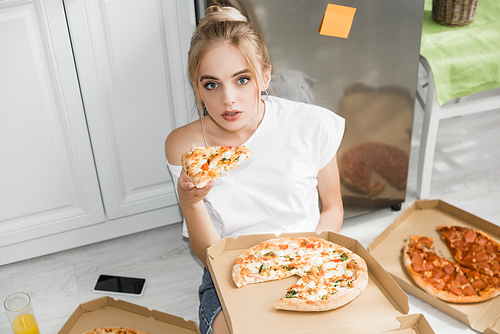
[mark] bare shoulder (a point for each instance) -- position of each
(180, 140)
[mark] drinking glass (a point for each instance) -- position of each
(20, 313)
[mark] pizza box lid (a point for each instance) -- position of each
(423, 218)
(109, 312)
(251, 307)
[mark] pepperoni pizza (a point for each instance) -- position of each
(474, 277)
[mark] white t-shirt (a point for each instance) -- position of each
(275, 191)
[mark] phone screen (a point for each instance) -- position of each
(120, 284)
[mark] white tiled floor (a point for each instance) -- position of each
(466, 174)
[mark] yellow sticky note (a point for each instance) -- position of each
(337, 21)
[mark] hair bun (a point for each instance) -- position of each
(218, 13)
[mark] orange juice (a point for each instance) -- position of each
(25, 324)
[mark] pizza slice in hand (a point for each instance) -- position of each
(205, 164)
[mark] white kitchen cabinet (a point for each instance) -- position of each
(48, 182)
(131, 58)
(89, 90)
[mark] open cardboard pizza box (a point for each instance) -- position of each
(495, 328)
(108, 312)
(412, 323)
(423, 218)
(382, 307)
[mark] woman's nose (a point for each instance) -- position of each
(227, 97)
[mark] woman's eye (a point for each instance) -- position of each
(211, 85)
(243, 81)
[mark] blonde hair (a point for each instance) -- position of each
(226, 25)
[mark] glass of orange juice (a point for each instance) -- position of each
(20, 313)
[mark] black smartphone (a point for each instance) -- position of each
(130, 286)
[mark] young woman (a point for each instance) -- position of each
(290, 184)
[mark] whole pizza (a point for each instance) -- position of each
(114, 330)
(473, 276)
(330, 275)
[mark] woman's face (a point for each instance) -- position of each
(226, 87)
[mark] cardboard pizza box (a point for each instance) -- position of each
(495, 328)
(109, 312)
(423, 218)
(413, 323)
(250, 309)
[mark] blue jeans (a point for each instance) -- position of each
(209, 303)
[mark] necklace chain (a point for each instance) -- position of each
(203, 132)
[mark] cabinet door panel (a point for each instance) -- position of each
(130, 56)
(48, 182)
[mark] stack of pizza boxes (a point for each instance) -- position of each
(423, 219)
(381, 308)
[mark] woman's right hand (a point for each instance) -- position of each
(188, 193)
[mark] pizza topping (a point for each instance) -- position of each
(479, 284)
(417, 258)
(469, 291)
(448, 269)
(481, 256)
(292, 294)
(461, 279)
(470, 236)
(492, 280)
(449, 233)
(490, 249)
(482, 240)
(456, 290)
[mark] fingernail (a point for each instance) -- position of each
(190, 185)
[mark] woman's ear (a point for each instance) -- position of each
(266, 78)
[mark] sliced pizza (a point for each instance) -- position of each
(473, 249)
(330, 275)
(205, 164)
(442, 278)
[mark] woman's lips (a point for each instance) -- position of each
(231, 116)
